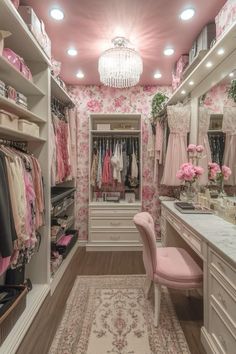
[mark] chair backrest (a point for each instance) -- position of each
(145, 225)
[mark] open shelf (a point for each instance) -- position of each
(61, 270)
(59, 92)
(15, 134)
(22, 40)
(34, 301)
(200, 72)
(20, 111)
(14, 78)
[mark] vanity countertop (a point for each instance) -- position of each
(217, 232)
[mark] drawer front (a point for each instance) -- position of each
(104, 212)
(174, 222)
(193, 240)
(228, 272)
(114, 223)
(114, 236)
(223, 297)
(224, 340)
(163, 224)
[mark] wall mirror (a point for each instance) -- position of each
(217, 128)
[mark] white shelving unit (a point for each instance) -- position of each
(110, 223)
(201, 72)
(38, 93)
(61, 94)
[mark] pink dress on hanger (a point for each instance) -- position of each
(229, 128)
(176, 155)
(204, 122)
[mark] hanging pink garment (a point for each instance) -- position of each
(106, 171)
(229, 128)
(158, 148)
(203, 125)
(30, 209)
(4, 264)
(176, 155)
(73, 133)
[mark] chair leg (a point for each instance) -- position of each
(148, 285)
(157, 290)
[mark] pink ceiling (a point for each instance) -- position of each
(89, 25)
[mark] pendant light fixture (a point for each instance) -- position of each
(121, 65)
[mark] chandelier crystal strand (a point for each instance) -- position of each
(120, 66)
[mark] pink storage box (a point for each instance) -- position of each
(37, 27)
(225, 17)
(28, 127)
(8, 120)
(177, 74)
(18, 62)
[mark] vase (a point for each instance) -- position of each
(190, 192)
(221, 188)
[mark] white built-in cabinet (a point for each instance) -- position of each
(39, 94)
(111, 224)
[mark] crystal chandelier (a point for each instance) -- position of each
(120, 66)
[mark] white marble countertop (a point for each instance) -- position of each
(217, 232)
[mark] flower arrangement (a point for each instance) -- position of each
(218, 175)
(189, 171)
(215, 173)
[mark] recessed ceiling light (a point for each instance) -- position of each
(169, 51)
(221, 51)
(157, 75)
(187, 14)
(57, 14)
(191, 83)
(209, 64)
(183, 92)
(72, 52)
(80, 74)
(231, 75)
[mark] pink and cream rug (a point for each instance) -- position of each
(110, 315)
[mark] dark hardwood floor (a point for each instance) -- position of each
(38, 339)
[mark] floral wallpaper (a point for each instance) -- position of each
(100, 99)
(217, 98)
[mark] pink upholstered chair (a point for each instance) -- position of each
(169, 266)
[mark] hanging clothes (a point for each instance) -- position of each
(21, 206)
(203, 126)
(158, 149)
(176, 155)
(229, 128)
(94, 168)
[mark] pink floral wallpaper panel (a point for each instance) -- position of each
(100, 99)
(217, 98)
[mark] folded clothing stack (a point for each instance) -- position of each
(66, 242)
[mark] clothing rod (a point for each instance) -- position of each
(115, 136)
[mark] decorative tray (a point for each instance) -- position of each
(189, 208)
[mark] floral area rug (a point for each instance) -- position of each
(110, 315)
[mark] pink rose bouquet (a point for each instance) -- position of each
(189, 173)
(215, 173)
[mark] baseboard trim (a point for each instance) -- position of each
(93, 246)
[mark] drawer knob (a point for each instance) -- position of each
(114, 223)
(222, 300)
(223, 343)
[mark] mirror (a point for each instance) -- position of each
(217, 128)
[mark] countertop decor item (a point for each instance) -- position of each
(121, 65)
(219, 175)
(189, 172)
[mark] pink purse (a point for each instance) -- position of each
(18, 62)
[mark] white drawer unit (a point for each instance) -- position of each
(222, 267)
(222, 336)
(113, 226)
